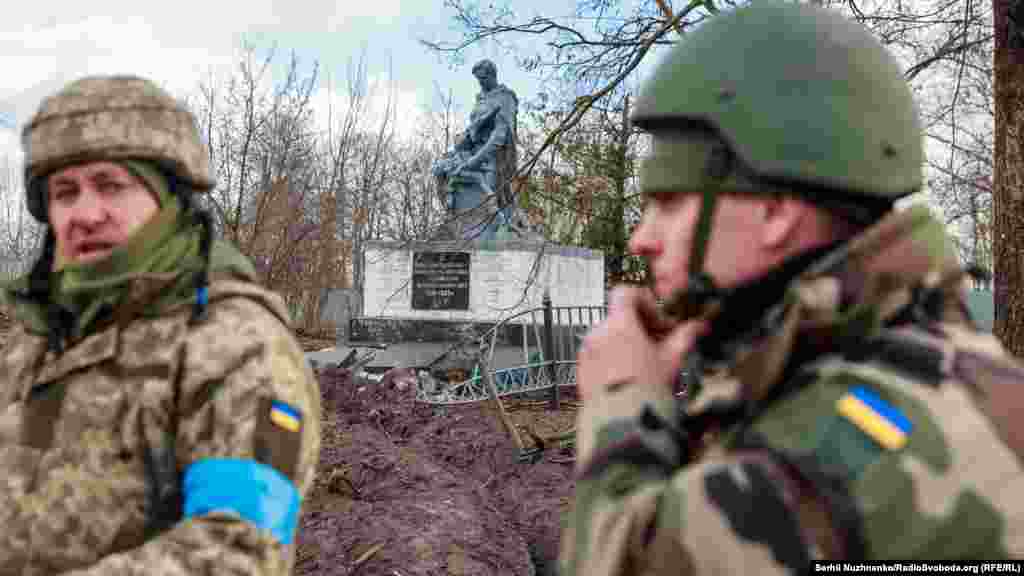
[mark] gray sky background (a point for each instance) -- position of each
(45, 44)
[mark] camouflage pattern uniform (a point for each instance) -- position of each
(862, 416)
(95, 438)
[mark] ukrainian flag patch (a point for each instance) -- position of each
(881, 421)
(285, 416)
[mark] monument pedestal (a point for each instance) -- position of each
(431, 295)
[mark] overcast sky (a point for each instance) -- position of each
(44, 44)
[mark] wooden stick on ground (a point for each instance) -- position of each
(366, 555)
(510, 426)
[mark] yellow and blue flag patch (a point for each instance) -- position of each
(881, 421)
(277, 439)
(285, 416)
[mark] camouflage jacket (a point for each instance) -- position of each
(93, 442)
(891, 436)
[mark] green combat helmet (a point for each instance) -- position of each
(112, 118)
(798, 99)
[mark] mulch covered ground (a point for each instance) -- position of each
(411, 489)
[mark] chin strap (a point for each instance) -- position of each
(700, 296)
(205, 222)
(199, 309)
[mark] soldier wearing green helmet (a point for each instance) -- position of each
(157, 415)
(860, 414)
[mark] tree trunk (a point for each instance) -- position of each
(617, 258)
(1008, 194)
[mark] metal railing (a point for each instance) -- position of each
(548, 363)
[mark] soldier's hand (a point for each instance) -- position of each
(628, 347)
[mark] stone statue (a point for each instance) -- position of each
(482, 163)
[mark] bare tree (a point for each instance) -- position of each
(354, 159)
(369, 197)
(413, 211)
(20, 234)
(587, 57)
(586, 186)
(338, 152)
(263, 146)
(1008, 205)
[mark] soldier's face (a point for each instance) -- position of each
(94, 208)
(665, 237)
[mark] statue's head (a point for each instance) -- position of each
(486, 73)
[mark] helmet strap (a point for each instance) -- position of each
(205, 221)
(702, 233)
(700, 286)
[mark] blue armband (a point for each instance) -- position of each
(256, 492)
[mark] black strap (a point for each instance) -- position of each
(183, 191)
(164, 497)
(203, 278)
(163, 488)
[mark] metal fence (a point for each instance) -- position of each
(551, 336)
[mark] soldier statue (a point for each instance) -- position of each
(481, 164)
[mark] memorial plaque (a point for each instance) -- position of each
(440, 281)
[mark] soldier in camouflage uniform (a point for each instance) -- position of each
(862, 416)
(158, 416)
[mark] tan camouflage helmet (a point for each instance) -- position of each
(101, 118)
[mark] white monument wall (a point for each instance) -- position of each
(498, 277)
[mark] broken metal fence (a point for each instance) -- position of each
(550, 338)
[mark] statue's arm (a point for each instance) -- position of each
(499, 136)
(465, 140)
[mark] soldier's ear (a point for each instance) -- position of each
(781, 217)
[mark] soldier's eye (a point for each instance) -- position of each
(659, 198)
(111, 186)
(63, 195)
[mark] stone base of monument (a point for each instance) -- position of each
(422, 299)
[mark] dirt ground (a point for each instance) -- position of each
(411, 489)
